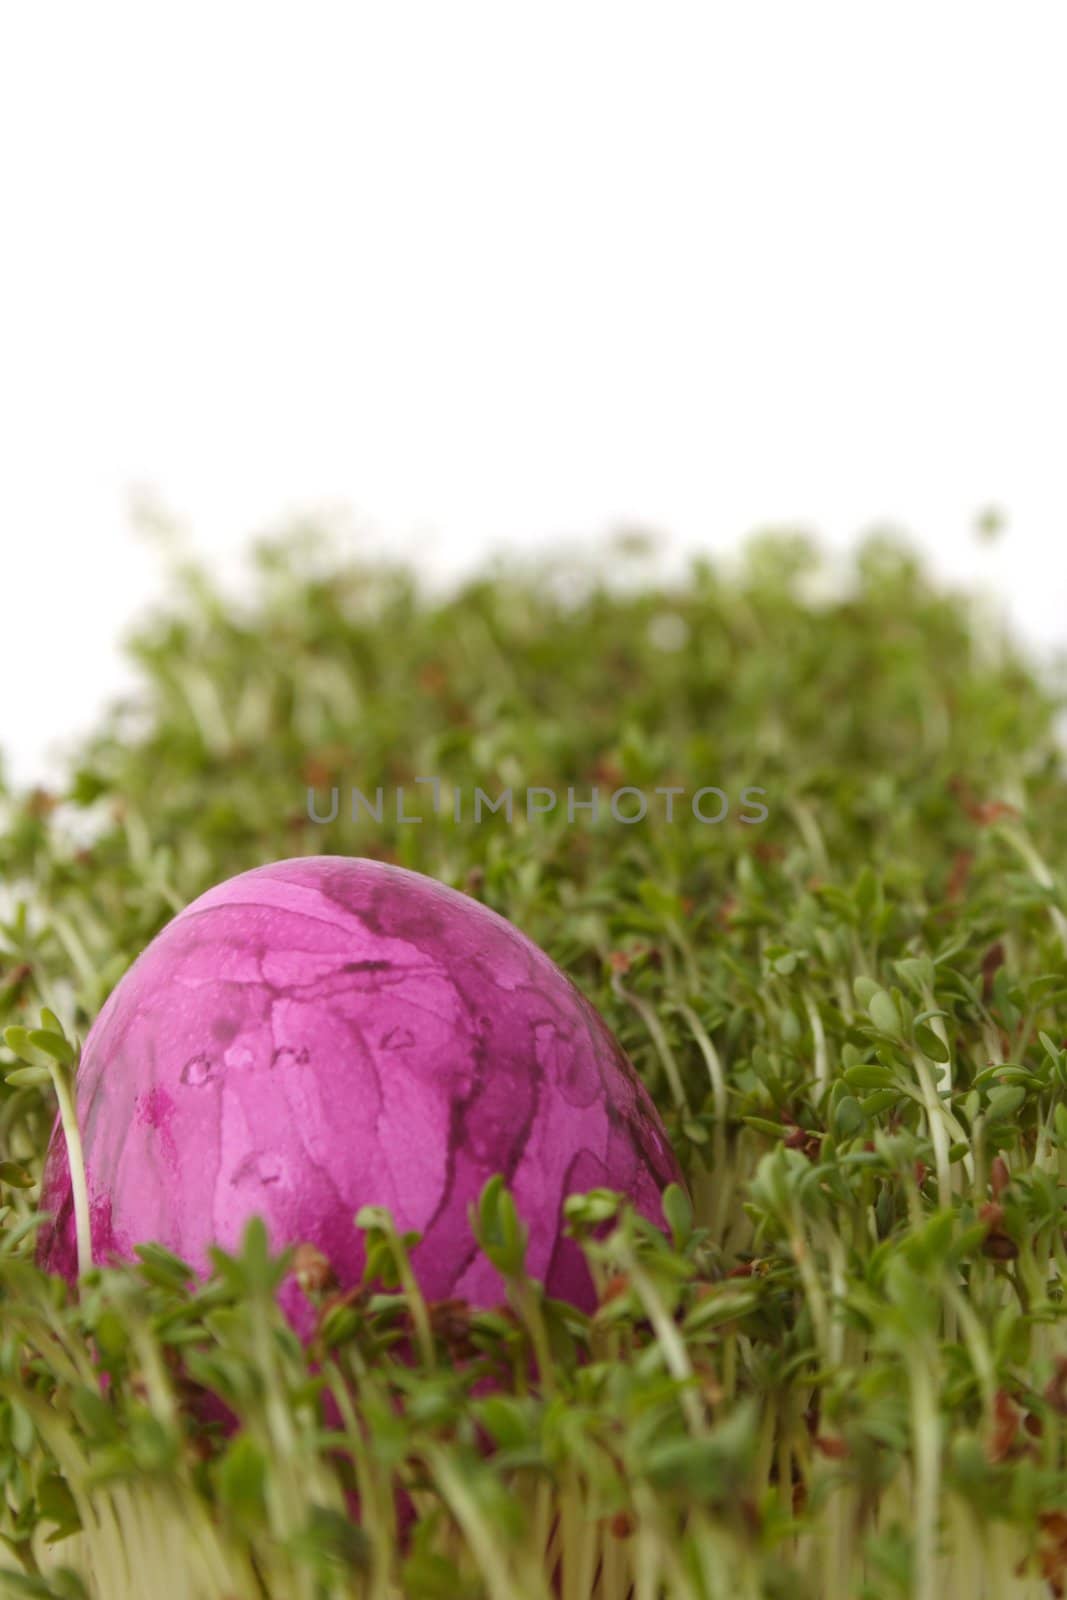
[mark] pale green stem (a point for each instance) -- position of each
(1021, 844)
(671, 1343)
(813, 1291)
(822, 1069)
(977, 1345)
(419, 1314)
(486, 1549)
(528, 1306)
(720, 1185)
(68, 1116)
(938, 1133)
(659, 1038)
(926, 1437)
(809, 830)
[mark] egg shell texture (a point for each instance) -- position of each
(328, 1032)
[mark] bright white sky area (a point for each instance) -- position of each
(489, 275)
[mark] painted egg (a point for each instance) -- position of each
(329, 1032)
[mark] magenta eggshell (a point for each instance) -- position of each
(329, 1032)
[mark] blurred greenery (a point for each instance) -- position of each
(845, 1371)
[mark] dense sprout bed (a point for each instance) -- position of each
(845, 1372)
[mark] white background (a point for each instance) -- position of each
(489, 274)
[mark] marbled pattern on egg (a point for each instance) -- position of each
(328, 1032)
